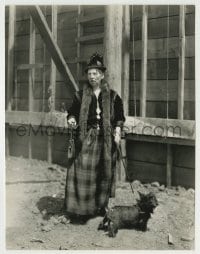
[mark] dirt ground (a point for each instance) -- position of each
(35, 221)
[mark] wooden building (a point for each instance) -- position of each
(150, 55)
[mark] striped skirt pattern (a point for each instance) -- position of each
(88, 185)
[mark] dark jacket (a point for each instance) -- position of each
(116, 108)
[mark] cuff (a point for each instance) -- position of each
(70, 116)
(119, 124)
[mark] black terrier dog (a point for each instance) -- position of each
(135, 216)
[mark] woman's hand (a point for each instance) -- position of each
(117, 136)
(72, 122)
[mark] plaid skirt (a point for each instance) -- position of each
(88, 185)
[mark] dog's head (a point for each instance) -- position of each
(147, 202)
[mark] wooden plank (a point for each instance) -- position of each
(184, 157)
(92, 37)
(66, 20)
(18, 150)
(160, 11)
(60, 158)
(79, 34)
(155, 139)
(93, 9)
(155, 127)
(89, 18)
(22, 27)
(157, 28)
(7, 149)
(157, 69)
(93, 28)
(66, 36)
(146, 172)
(157, 48)
(113, 45)
(10, 61)
(52, 80)
(125, 57)
(56, 118)
(157, 90)
(31, 83)
(146, 151)
(29, 66)
(190, 24)
(174, 128)
(31, 61)
(88, 50)
(184, 177)
(66, 8)
(189, 110)
(169, 165)
(144, 63)
(51, 45)
(53, 67)
(181, 72)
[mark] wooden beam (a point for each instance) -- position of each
(10, 63)
(113, 45)
(89, 18)
(7, 150)
(92, 37)
(136, 128)
(161, 140)
(51, 45)
(160, 127)
(156, 90)
(29, 66)
(181, 75)
(53, 67)
(52, 79)
(32, 41)
(32, 44)
(157, 48)
(79, 34)
(144, 61)
(169, 165)
(125, 57)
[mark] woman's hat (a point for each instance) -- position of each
(96, 61)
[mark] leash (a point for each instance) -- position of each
(125, 167)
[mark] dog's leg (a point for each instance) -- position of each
(102, 223)
(112, 229)
(143, 222)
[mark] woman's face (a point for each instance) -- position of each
(94, 77)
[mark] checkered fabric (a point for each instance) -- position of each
(88, 185)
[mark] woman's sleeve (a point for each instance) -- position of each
(74, 109)
(119, 111)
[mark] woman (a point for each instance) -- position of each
(98, 112)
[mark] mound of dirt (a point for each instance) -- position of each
(35, 219)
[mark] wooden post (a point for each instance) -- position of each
(7, 150)
(181, 76)
(144, 62)
(31, 61)
(52, 46)
(53, 67)
(31, 77)
(169, 165)
(10, 63)
(79, 34)
(113, 55)
(53, 78)
(125, 57)
(113, 46)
